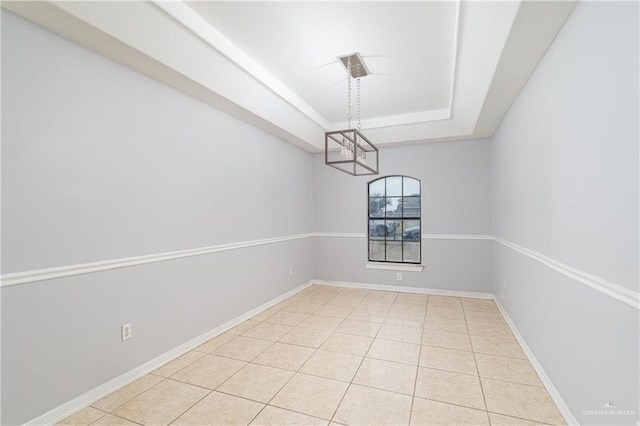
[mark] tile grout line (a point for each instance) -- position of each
(153, 373)
(115, 408)
(503, 380)
(475, 361)
(103, 415)
(211, 354)
(185, 411)
(357, 384)
(361, 362)
(537, 422)
(114, 415)
(296, 371)
(415, 382)
(222, 356)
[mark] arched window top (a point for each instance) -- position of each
(394, 220)
(394, 186)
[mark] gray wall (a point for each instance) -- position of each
(456, 199)
(565, 184)
(100, 162)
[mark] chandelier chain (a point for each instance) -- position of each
(349, 93)
(358, 95)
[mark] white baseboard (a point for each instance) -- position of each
(406, 289)
(88, 398)
(113, 385)
(546, 381)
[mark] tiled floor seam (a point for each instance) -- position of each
(449, 371)
(538, 422)
(415, 383)
(120, 417)
(457, 405)
(181, 381)
(105, 413)
(287, 382)
(286, 409)
(237, 359)
(193, 405)
(493, 337)
(475, 361)
(133, 397)
(355, 374)
(515, 383)
(236, 396)
(503, 356)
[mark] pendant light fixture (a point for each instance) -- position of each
(349, 150)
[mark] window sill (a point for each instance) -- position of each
(394, 266)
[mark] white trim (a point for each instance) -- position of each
(456, 237)
(400, 120)
(88, 398)
(200, 27)
(610, 289)
(24, 277)
(546, 381)
(455, 56)
(394, 266)
(339, 234)
(214, 38)
(615, 291)
(404, 289)
(424, 236)
(85, 268)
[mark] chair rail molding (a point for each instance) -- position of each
(617, 292)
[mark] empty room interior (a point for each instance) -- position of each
(314, 213)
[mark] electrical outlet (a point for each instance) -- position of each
(399, 276)
(290, 270)
(126, 332)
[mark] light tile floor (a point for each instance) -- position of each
(331, 355)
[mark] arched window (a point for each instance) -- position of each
(394, 220)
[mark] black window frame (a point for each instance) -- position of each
(386, 217)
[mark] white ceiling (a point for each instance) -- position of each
(439, 69)
(407, 46)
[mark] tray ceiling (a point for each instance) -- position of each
(439, 69)
(408, 47)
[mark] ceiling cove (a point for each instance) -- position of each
(439, 70)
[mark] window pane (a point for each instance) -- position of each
(377, 230)
(376, 188)
(411, 251)
(394, 207)
(394, 251)
(394, 186)
(410, 186)
(377, 207)
(376, 250)
(411, 230)
(411, 207)
(394, 230)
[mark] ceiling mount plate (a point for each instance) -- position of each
(358, 67)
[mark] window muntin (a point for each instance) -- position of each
(394, 220)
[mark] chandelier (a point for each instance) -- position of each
(349, 150)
